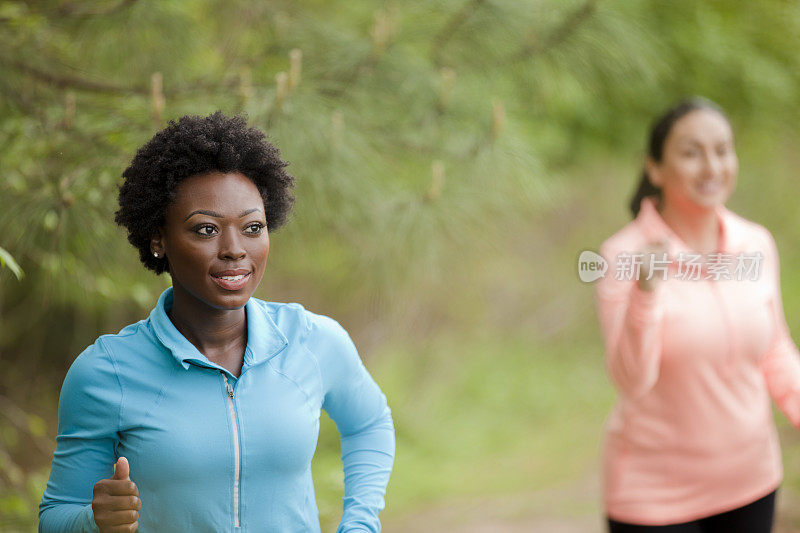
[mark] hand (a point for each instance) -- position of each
(116, 502)
(653, 249)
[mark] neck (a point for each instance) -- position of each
(698, 228)
(219, 334)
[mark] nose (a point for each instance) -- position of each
(713, 164)
(230, 246)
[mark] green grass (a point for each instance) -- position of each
(492, 418)
(481, 418)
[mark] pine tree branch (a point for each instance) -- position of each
(20, 419)
(571, 22)
(458, 19)
(73, 10)
(72, 82)
(77, 83)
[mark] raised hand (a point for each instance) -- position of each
(655, 249)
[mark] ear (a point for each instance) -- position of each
(157, 247)
(653, 172)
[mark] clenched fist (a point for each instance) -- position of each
(116, 502)
(653, 250)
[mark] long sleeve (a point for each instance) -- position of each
(358, 407)
(781, 362)
(630, 322)
(88, 418)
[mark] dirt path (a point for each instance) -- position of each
(572, 508)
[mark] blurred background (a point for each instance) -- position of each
(453, 159)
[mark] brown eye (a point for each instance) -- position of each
(206, 230)
(254, 229)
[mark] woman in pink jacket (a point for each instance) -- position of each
(696, 344)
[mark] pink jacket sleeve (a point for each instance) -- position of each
(630, 322)
(781, 362)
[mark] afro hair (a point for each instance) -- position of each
(190, 146)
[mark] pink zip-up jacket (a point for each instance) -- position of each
(695, 363)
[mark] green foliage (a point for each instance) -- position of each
(451, 158)
(417, 130)
(7, 261)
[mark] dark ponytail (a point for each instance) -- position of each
(644, 190)
(658, 135)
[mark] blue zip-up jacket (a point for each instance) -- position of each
(210, 452)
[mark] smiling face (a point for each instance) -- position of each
(698, 166)
(215, 239)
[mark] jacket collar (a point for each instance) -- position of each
(264, 339)
(653, 227)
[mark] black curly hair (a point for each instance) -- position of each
(190, 146)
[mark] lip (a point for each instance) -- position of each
(231, 285)
(710, 187)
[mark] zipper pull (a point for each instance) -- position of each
(228, 387)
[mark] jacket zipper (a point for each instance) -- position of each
(728, 326)
(236, 456)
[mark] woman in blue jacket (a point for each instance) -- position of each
(205, 416)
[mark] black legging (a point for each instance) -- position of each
(754, 517)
